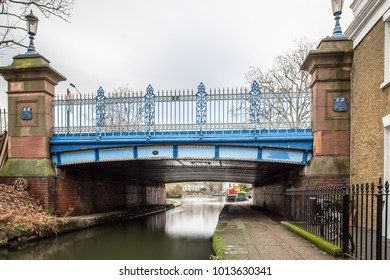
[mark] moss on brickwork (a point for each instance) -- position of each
(329, 165)
(27, 168)
(318, 241)
(343, 165)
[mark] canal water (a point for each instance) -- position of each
(183, 233)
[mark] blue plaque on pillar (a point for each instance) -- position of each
(340, 104)
(27, 114)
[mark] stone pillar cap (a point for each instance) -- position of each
(27, 63)
(328, 53)
(331, 43)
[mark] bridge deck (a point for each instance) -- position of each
(289, 146)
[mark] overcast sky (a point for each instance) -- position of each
(175, 44)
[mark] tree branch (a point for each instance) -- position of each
(15, 10)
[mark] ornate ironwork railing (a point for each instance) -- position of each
(183, 110)
(3, 121)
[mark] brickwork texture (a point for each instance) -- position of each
(370, 104)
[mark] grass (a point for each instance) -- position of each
(219, 246)
(17, 227)
(51, 211)
(317, 241)
(21, 228)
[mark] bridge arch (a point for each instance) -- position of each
(147, 140)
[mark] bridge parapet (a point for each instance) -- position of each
(3, 121)
(181, 111)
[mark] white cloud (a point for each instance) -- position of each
(175, 44)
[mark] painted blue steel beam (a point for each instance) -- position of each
(183, 152)
(291, 139)
(291, 147)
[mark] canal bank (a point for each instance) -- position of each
(86, 221)
(68, 224)
(244, 232)
(23, 219)
(182, 233)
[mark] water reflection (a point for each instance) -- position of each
(182, 233)
(196, 218)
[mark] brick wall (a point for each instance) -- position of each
(77, 192)
(270, 194)
(155, 193)
(369, 105)
(135, 195)
(323, 182)
(84, 193)
(41, 188)
(140, 193)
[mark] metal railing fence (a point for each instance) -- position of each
(3, 120)
(183, 110)
(355, 217)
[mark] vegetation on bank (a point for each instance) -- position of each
(175, 191)
(317, 241)
(219, 246)
(22, 217)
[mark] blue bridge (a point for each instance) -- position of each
(209, 135)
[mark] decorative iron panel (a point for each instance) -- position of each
(100, 111)
(149, 109)
(201, 105)
(254, 101)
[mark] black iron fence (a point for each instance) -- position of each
(353, 217)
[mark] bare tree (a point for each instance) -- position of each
(13, 23)
(125, 109)
(286, 73)
(123, 112)
(214, 187)
(285, 88)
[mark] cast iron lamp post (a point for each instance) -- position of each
(32, 26)
(337, 7)
(73, 86)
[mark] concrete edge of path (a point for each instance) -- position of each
(224, 251)
(317, 241)
(86, 221)
(174, 202)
